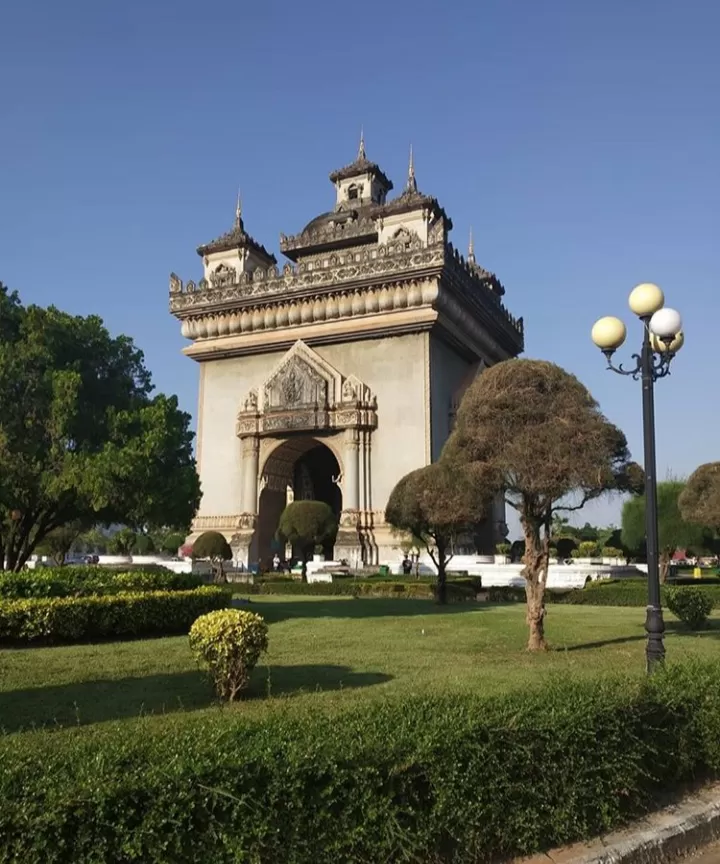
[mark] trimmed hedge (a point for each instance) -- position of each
(454, 779)
(74, 619)
(74, 581)
(626, 592)
(357, 588)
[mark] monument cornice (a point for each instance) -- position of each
(386, 278)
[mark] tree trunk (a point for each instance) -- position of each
(536, 567)
(441, 592)
(304, 566)
(665, 556)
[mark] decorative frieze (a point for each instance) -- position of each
(337, 268)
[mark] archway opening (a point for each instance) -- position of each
(301, 469)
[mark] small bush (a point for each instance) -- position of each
(126, 615)
(503, 548)
(691, 605)
(586, 549)
(83, 580)
(611, 552)
(229, 642)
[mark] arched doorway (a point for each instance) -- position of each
(300, 468)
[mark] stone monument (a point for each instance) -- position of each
(337, 374)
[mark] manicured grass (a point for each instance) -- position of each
(329, 653)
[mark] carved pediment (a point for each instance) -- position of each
(304, 391)
(301, 379)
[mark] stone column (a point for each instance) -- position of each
(250, 462)
(351, 475)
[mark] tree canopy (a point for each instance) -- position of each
(214, 546)
(437, 504)
(308, 524)
(82, 436)
(534, 431)
(674, 532)
(699, 501)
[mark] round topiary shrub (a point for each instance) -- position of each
(229, 642)
(691, 605)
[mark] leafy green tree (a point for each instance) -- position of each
(437, 504)
(213, 546)
(122, 542)
(307, 524)
(59, 542)
(674, 532)
(171, 542)
(82, 436)
(143, 545)
(532, 430)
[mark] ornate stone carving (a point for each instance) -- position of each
(304, 392)
(251, 403)
(223, 275)
(176, 284)
(295, 385)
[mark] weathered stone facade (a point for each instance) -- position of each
(363, 343)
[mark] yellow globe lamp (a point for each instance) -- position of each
(645, 299)
(675, 344)
(608, 333)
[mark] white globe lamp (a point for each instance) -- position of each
(608, 333)
(645, 299)
(666, 323)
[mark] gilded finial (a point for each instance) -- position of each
(361, 148)
(238, 211)
(471, 248)
(411, 181)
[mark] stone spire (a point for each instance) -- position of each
(411, 185)
(361, 149)
(238, 212)
(471, 248)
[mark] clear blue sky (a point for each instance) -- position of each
(580, 140)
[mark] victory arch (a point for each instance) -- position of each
(334, 375)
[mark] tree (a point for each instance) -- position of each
(122, 542)
(82, 436)
(172, 542)
(214, 546)
(143, 545)
(532, 429)
(699, 502)
(58, 543)
(437, 504)
(674, 532)
(307, 524)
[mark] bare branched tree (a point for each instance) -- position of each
(532, 429)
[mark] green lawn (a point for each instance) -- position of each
(328, 653)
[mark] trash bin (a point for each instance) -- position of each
(384, 570)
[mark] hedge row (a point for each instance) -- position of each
(357, 588)
(74, 619)
(626, 592)
(73, 581)
(453, 779)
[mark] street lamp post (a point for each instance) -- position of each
(662, 339)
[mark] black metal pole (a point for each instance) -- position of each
(654, 624)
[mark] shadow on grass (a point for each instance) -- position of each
(672, 628)
(85, 702)
(348, 607)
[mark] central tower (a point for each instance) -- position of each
(337, 375)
